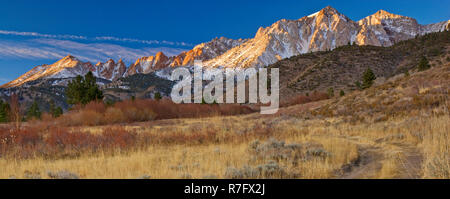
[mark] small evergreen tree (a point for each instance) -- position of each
(93, 93)
(330, 92)
(83, 90)
(74, 90)
(55, 111)
(423, 64)
(34, 111)
(368, 78)
(341, 93)
(358, 84)
(4, 110)
(158, 96)
(406, 73)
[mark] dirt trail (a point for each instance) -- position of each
(370, 162)
(366, 166)
(411, 163)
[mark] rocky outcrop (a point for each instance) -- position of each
(110, 70)
(148, 64)
(204, 52)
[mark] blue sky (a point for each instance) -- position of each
(40, 32)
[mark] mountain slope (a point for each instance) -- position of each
(148, 64)
(324, 30)
(110, 70)
(68, 66)
(341, 68)
(418, 94)
(385, 29)
(204, 52)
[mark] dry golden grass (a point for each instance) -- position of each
(319, 148)
(178, 161)
(436, 147)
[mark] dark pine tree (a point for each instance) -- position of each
(75, 91)
(423, 64)
(158, 96)
(57, 112)
(358, 85)
(330, 92)
(93, 93)
(4, 110)
(54, 110)
(83, 90)
(34, 112)
(368, 78)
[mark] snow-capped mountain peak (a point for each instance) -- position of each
(149, 64)
(323, 30)
(68, 66)
(110, 70)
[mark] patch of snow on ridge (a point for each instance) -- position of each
(314, 14)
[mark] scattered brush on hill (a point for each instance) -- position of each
(342, 67)
(421, 93)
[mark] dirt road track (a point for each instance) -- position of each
(370, 162)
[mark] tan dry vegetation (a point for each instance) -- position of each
(292, 148)
(337, 138)
(340, 68)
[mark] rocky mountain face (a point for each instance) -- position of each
(110, 70)
(207, 51)
(324, 30)
(70, 67)
(204, 51)
(148, 64)
(386, 29)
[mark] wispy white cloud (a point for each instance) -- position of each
(4, 80)
(105, 38)
(93, 52)
(35, 34)
(98, 38)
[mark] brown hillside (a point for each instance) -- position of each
(342, 67)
